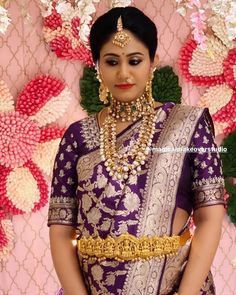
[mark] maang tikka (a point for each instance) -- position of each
(121, 38)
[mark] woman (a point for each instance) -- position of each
(130, 201)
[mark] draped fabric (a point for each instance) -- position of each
(86, 197)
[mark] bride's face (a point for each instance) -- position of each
(125, 71)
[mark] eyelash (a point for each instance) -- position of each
(132, 62)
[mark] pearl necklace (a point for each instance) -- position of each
(121, 165)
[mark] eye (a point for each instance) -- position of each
(134, 61)
(112, 62)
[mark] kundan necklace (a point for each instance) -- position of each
(131, 111)
(121, 165)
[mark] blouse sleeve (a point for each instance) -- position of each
(63, 200)
(206, 166)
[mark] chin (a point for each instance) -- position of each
(125, 97)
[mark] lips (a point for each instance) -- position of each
(124, 86)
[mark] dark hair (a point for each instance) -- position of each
(133, 20)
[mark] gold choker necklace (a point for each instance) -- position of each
(119, 165)
(131, 111)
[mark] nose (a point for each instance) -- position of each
(123, 72)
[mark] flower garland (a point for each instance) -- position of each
(6, 236)
(216, 9)
(226, 9)
(23, 136)
(28, 146)
(67, 27)
(120, 3)
(214, 67)
(4, 18)
(197, 18)
(165, 88)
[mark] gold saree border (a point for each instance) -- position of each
(160, 196)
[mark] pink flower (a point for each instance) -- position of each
(27, 144)
(6, 236)
(63, 37)
(214, 67)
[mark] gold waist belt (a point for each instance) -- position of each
(128, 247)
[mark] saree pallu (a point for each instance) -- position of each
(85, 196)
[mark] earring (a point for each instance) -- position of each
(103, 93)
(103, 90)
(148, 88)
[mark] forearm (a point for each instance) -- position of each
(66, 263)
(203, 248)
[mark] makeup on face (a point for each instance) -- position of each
(125, 71)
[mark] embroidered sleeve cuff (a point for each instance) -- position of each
(208, 196)
(63, 211)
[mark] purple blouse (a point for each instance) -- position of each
(82, 137)
(85, 196)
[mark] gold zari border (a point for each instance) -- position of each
(128, 247)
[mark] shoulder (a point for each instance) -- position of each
(190, 108)
(182, 107)
(80, 126)
(85, 132)
(197, 113)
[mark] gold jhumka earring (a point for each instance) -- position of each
(103, 90)
(148, 88)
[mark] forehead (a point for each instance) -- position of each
(134, 45)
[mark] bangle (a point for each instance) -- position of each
(175, 293)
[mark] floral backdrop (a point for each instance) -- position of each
(26, 44)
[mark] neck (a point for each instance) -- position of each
(131, 111)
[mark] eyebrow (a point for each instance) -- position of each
(128, 55)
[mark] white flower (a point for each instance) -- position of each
(46, 7)
(231, 22)
(181, 10)
(227, 10)
(85, 9)
(84, 33)
(4, 20)
(120, 3)
(66, 10)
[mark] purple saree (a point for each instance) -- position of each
(83, 195)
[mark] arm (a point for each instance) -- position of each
(65, 260)
(206, 238)
(63, 211)
(208, 200)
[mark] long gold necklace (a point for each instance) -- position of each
(120, 165)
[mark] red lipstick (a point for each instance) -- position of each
(124, 86)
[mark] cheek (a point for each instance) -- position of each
(107, 74)
(143, 76)
(144, 71)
